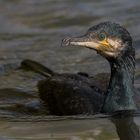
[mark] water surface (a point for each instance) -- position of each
(34, 29)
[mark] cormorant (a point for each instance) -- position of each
(69, 94)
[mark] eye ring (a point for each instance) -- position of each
(102, 36)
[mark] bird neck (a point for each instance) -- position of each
(120, 91)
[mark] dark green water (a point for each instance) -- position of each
(34, 29)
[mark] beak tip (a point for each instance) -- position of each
(66, 42)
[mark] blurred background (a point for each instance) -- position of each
(34, 29)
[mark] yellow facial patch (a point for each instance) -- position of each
(104, 45)
(104, 42)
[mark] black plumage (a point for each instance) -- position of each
(69, 94)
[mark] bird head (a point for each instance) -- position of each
(109, 40)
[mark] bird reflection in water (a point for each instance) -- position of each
(125, 125)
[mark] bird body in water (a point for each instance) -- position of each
(69, 94)
(76, 93)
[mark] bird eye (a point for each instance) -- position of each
(102, 36)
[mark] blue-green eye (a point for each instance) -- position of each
(102, 36)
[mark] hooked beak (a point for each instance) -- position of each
(102, 47)
(81, 41)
